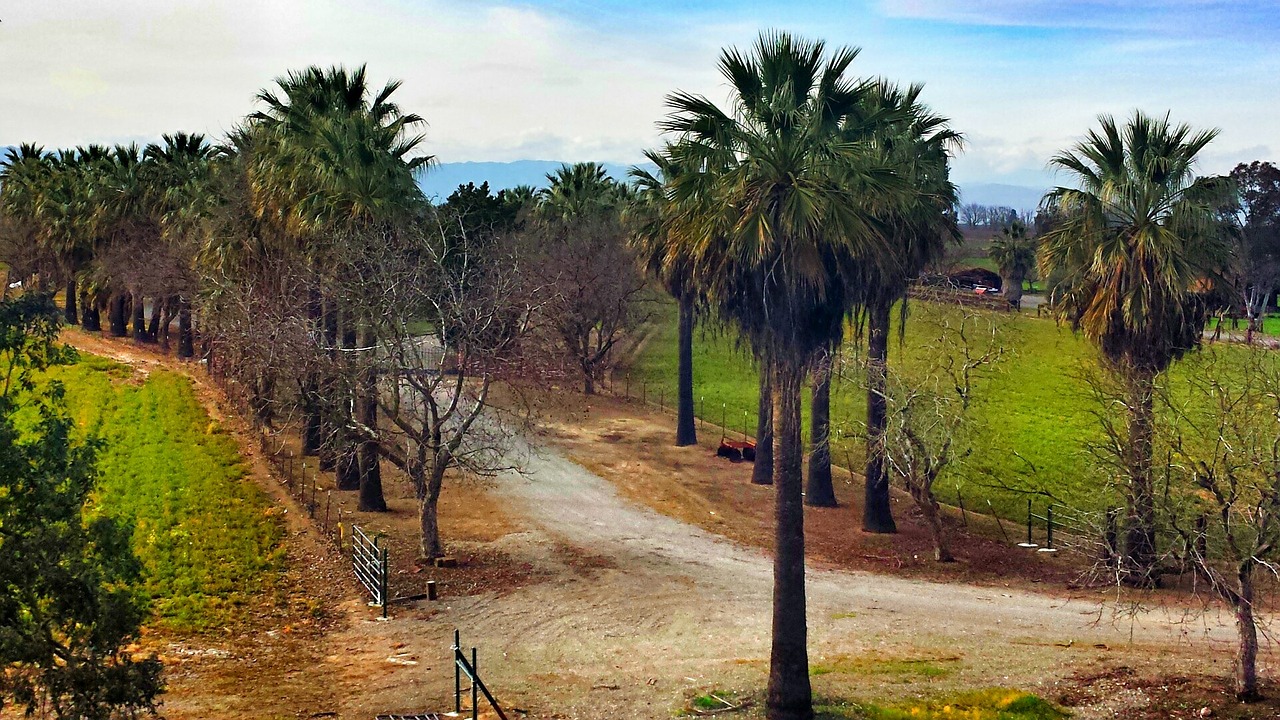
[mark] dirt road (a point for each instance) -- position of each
(651, 610)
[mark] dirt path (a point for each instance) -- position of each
(662, 610)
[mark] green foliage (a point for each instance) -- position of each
(205, 535)
(70, 596)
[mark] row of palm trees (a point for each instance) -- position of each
(817, 198)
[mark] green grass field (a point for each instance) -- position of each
(205, 534)
(1028, 429)
(1270, 326)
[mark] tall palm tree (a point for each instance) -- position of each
(332, 157)
(1136, 244)
(652, 238)
(1015, 255)
(775, 251)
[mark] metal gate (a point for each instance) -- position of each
(369, 560)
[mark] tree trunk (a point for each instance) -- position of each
(1013, 291)
(90, 317)
(1140, 533)
(72, 317)
(820, 491)
(1247, 655)
(166, 319)
(932, 513)
(366, 410)
(789, 694)
(336, 443)
(313, 438)
(186, 343)
(762, 471)
(686, 426)
(115, 316)
(588, 383)
(348, 469)
(153, 324)
(428, 500)
(371, 498)
(139, 318)
(877, 515)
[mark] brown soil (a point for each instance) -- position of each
(631, 445)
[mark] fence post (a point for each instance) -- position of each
(475, 686)
(702, 406)
(385, 582)
(628, 386)
(644, 393)
(1049, 522)
(457, 673)
(964, 515)
(662, 398)
(724, 428)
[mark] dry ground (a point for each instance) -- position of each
(607, 588)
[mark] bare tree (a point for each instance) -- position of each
(445, 323)
(599, 295)
(1223, 502)
(928, 415)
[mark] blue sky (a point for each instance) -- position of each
(576, 80)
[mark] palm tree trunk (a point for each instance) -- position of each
(686, 426)
(789, 696)
(820, 491)
(90, 318)
(1247, 630)
(1013, 291)
(139, 318)
(347, 454)
(186, 341)
(371, 498)
(115, 316)
(331, 450)
(153, 324)
(312, 428)
(762, 471)
(166, 319)
(877, 515)
(1140, 534)
(72, 317)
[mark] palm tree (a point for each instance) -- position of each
(653, 240)
(1015, 254)
(1136, 244)
(917, 224)
(784, 230)
(332, 158)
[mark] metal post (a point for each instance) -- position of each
(724, 409)
(964, 515)
(385, 583)
(628, 386)
(1049, 522)
(457, 674)
(644, 393)
(702, 405)
(475, 687)
(745, 420)
(662, 398)
(1029, 541)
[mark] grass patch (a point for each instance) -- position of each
(207, 537)
(1028, 429)
(990, 704)
(906, 668)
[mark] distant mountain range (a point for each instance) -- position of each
(1018, 197)
(443, 179)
